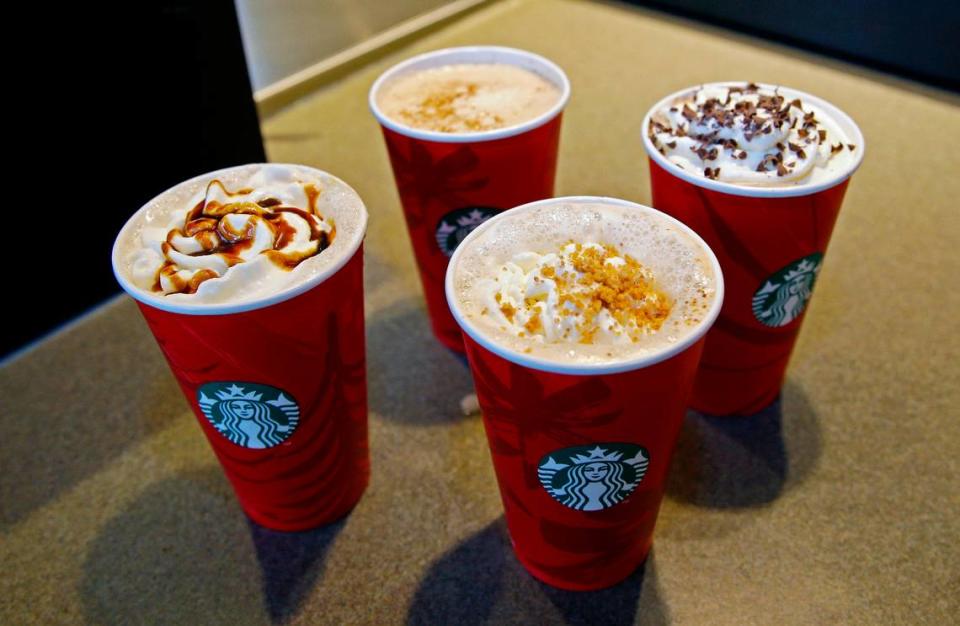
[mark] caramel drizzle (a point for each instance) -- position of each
(206, 224)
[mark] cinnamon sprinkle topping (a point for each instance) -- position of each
(440, 112)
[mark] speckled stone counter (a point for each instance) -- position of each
(839, 504)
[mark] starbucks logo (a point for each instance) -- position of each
(456, 225)
(783, 296)
(248, 414)
(593, 478)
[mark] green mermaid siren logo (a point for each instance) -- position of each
(783, 297)
(240, 412)
(594, 477)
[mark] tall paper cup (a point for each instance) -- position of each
(286, 372)
(771, 243)
(540, 415)
(449, 183)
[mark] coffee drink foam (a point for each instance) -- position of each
(752, 135)
(583, 281)
(467, 97)
(238, 235)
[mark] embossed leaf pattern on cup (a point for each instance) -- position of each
(738, 251)
(423, 181)
(311, 346)
(526, 408)
(515, 399)
(744, 360)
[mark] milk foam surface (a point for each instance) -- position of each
(466, 98)
(515, 259)
(748, 134)
(293, 223)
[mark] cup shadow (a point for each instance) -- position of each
(480, 581)
(411, 377)
(739, 462)
(183, 552)
(78, 401)
(291, 564)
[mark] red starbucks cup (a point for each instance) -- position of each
(581, 451)
(771, 243)
(278, 382)
(449, 183)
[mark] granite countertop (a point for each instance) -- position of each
(840, 503)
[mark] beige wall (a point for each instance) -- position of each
(283, 36)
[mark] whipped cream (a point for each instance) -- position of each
(587, 293)
(582, 281)
(272, 218)
(238, 234)
(750, 134)
(467, 98)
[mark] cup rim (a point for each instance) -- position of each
(842, 119)
(551, 72)
(585, 369)
(158, 302)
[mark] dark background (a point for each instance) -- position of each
(135, 98)
(917, 40)
(138, 97)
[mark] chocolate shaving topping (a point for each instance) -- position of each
(795, 148)
(851, 146)
(770, 103)
(705, 154)
(768, 162)
(835, 148)
(746, 112)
